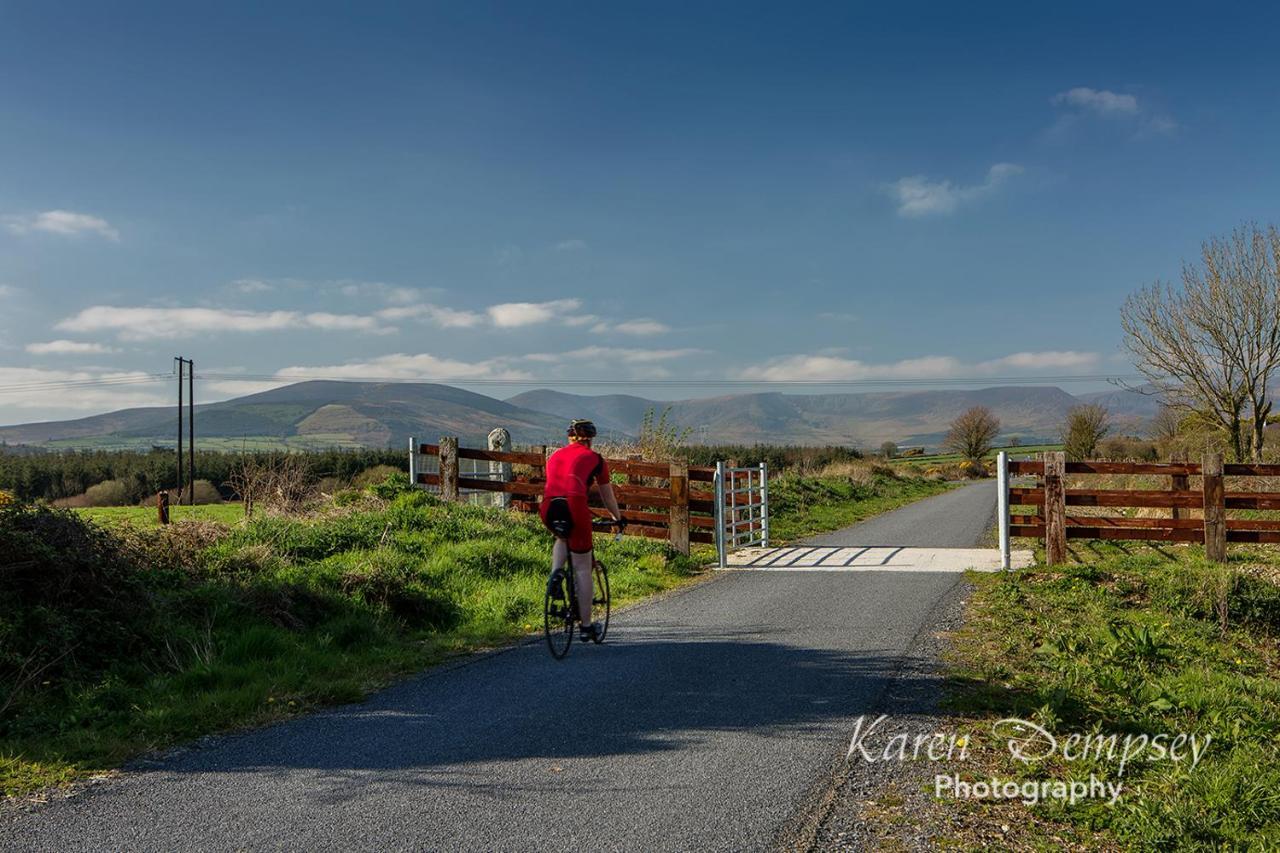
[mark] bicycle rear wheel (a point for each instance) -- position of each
(600, 597)
(557, 621)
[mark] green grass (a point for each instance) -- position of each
(1138, 642)
(178, 633)
(805, 506)
(145, 516)
(991, 454)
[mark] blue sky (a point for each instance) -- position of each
(648, 192)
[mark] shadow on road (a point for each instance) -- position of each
(644, 694)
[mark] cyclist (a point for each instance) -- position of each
(570, 472)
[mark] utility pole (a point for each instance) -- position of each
(179, 360)
(191, 431)
(189, 366)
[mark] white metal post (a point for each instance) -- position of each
(1002, 506)
(719, 514)
(764, 504)
(413, 462)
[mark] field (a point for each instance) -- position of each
(1140, 641)
(145, 516)
(1014, 452)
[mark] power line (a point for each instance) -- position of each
(691, 382)
(60, 384)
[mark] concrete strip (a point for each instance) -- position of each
(885, 559)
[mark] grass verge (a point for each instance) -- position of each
(806, 506)
(1138, 643)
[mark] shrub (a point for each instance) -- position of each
(204, 492)
(108, 493)
(373, 476)
(72, 599)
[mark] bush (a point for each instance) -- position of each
(204, 492)
(71, 600)
(109, 493)
(373, 476)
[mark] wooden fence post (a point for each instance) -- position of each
(678, 525)
(162, 507)
(1055, 508)
(1215, 509)
(449, 468)
(1179, 483)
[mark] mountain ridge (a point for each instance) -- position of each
(321, 413)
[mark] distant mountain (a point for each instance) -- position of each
(906, 417)
(1131, 410)
(308, 414)
(618, 413)
(338, 414)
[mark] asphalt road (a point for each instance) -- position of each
(703, 723)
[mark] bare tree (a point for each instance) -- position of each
(1165, 425)
(1212, 346)
(1086, 425)
(972, 433)
(888, 450)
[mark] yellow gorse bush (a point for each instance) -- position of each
(5, 498)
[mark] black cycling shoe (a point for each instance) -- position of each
(555, 585)
(590, 632)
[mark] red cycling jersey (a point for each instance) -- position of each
(571, 470)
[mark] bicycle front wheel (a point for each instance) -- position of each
(600, 597)
(557, 621)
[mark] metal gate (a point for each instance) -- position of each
(741, 508)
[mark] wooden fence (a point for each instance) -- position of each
(1190, 512)
(660, 500)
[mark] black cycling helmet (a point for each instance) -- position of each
(581, 429)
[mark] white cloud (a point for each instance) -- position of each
(8, 290)
(576, 320)
(1100, 101)
(1049, 360)
(1083, 101)
(446, 318)
(47, 394)
(137, 323)
(834, 368)
(64, 222)
(65, 347)
(252, 285)
(641, 328)
(511, 315)
(626, 355)
(574, 245)
(402, 366)
(916, 195)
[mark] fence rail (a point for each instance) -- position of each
(1215, 525)
(657, 501)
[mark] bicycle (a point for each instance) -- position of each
(560, 613)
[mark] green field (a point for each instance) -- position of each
(145, 516)
(1020, 450)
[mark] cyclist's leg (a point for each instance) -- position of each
(582, 576)
(559, 555)
(580, 554)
